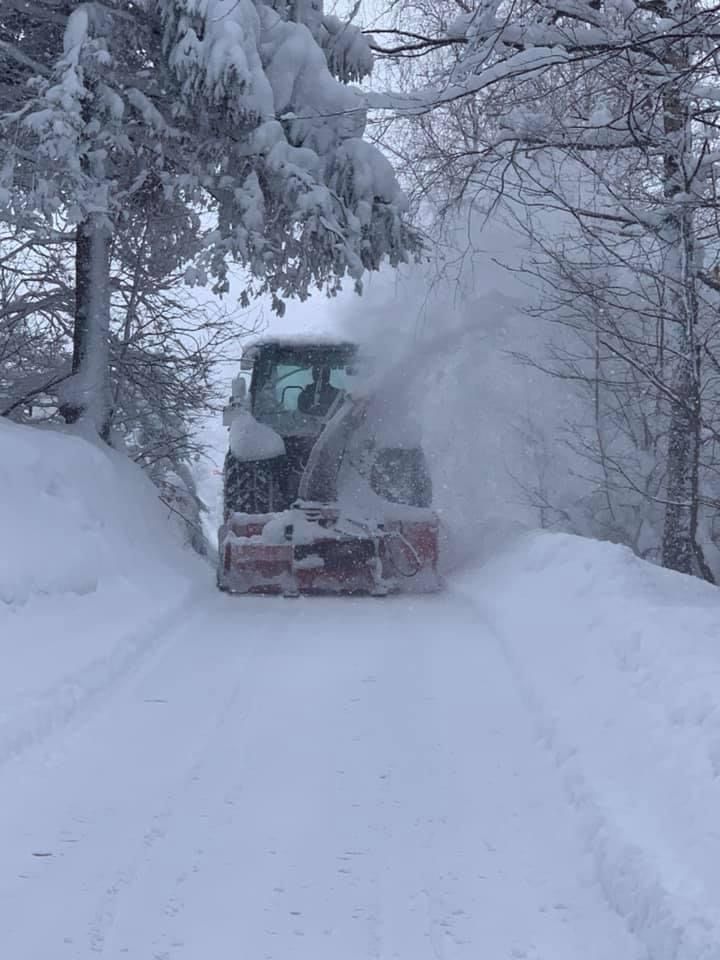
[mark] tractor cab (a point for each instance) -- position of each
(295, 387)
(286, 392)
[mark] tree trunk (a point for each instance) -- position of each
(86, 395)
(680, 528)
(683, 451)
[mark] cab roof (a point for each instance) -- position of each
(299, 342)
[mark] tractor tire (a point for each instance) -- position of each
(251, 486)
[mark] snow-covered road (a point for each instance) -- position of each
(299, 780)
(526, 767)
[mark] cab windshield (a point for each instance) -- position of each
(298, 388)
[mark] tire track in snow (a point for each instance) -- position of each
(342, 806)
(80, 693)
(218, 802)
(154, 832)
(631, 884)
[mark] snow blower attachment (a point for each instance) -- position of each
(323, 493)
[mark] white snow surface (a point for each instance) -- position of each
(90, 566)
(252, 440)
(524, 767)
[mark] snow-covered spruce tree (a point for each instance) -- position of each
(229, 107)
(627, 91)
(302, 199)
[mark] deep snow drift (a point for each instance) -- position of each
(618, 662)
(90, 563)
(77, 518)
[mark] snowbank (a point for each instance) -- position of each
(91, 565)
(619, 662)
(75, 517)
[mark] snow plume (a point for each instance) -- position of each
(445, 334)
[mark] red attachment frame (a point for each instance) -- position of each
(319, 555)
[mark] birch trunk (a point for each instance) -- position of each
(679, 547)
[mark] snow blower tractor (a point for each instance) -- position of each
(326, 486)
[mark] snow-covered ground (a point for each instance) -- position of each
(525, 767)
(91, 569)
